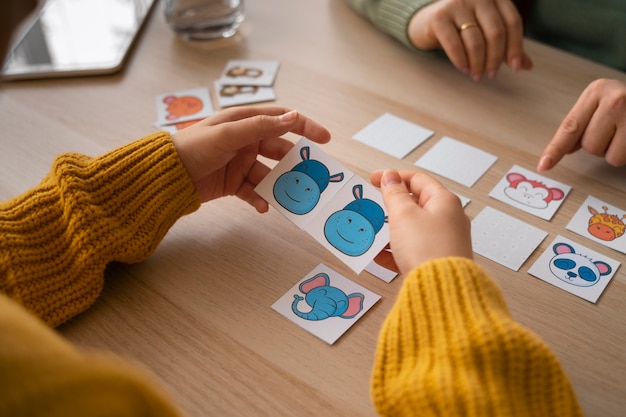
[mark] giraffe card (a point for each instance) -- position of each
(600, 222)
(575, 269)
(325, 303)
(530, 192)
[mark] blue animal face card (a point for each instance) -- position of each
(530, 192)
(600, 222)
(325, 303)
(575, 269)
(353, 225)
(303, 182)
(504, 239)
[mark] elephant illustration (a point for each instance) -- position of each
(326, 301)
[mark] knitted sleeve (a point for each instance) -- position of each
(390, 16)
(449, 347)
(56, 239)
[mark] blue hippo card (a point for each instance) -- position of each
(305, 180)
(325, 303)
(338, 208)
(353, 225)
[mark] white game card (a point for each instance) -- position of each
(235, 95)
(249, 72)
(325, 303)
(392, 135)
(303, 182)
(600, 222)
(530, 192)
(183, 106)
(464, 200)
(381, 272)
(575, 269)
(504, 239)
(339, 209)
(353, 225)
(457, 161)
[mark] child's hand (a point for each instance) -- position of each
(426, 221)
(220, 152)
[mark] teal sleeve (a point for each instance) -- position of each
(390, 16)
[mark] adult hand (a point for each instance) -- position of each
(426, 221)
(220, 152)
(477, 35)
(596, 123)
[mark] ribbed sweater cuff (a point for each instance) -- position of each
(391, 16)
(449, 347)
(57, 239)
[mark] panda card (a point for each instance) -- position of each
(600, 222)
(575, 269)
(530, 192)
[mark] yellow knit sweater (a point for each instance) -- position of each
(449, 347)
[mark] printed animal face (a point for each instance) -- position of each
(296, 192)
(299, 190)
(352, 230)
(605, 226)
(574, 268)
(178, 107)
(349, 232)
(531, 193)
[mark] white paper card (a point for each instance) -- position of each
(235, 95)
(575, 269)
(182, 106)
(530, 192)
(325, 303)
(600, 222)
(457, 161)
(393, 135)
(343, 212)
(249, 72)
(353, 225)
(504, 239)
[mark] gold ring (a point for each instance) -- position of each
(468, 25)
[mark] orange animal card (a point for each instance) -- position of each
(183, 106)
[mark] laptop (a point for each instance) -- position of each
(76, 38)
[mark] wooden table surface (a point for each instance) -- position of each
(197, 313)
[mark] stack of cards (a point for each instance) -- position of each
(245, 82)
(241, 82)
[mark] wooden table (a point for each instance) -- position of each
(197, 313)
